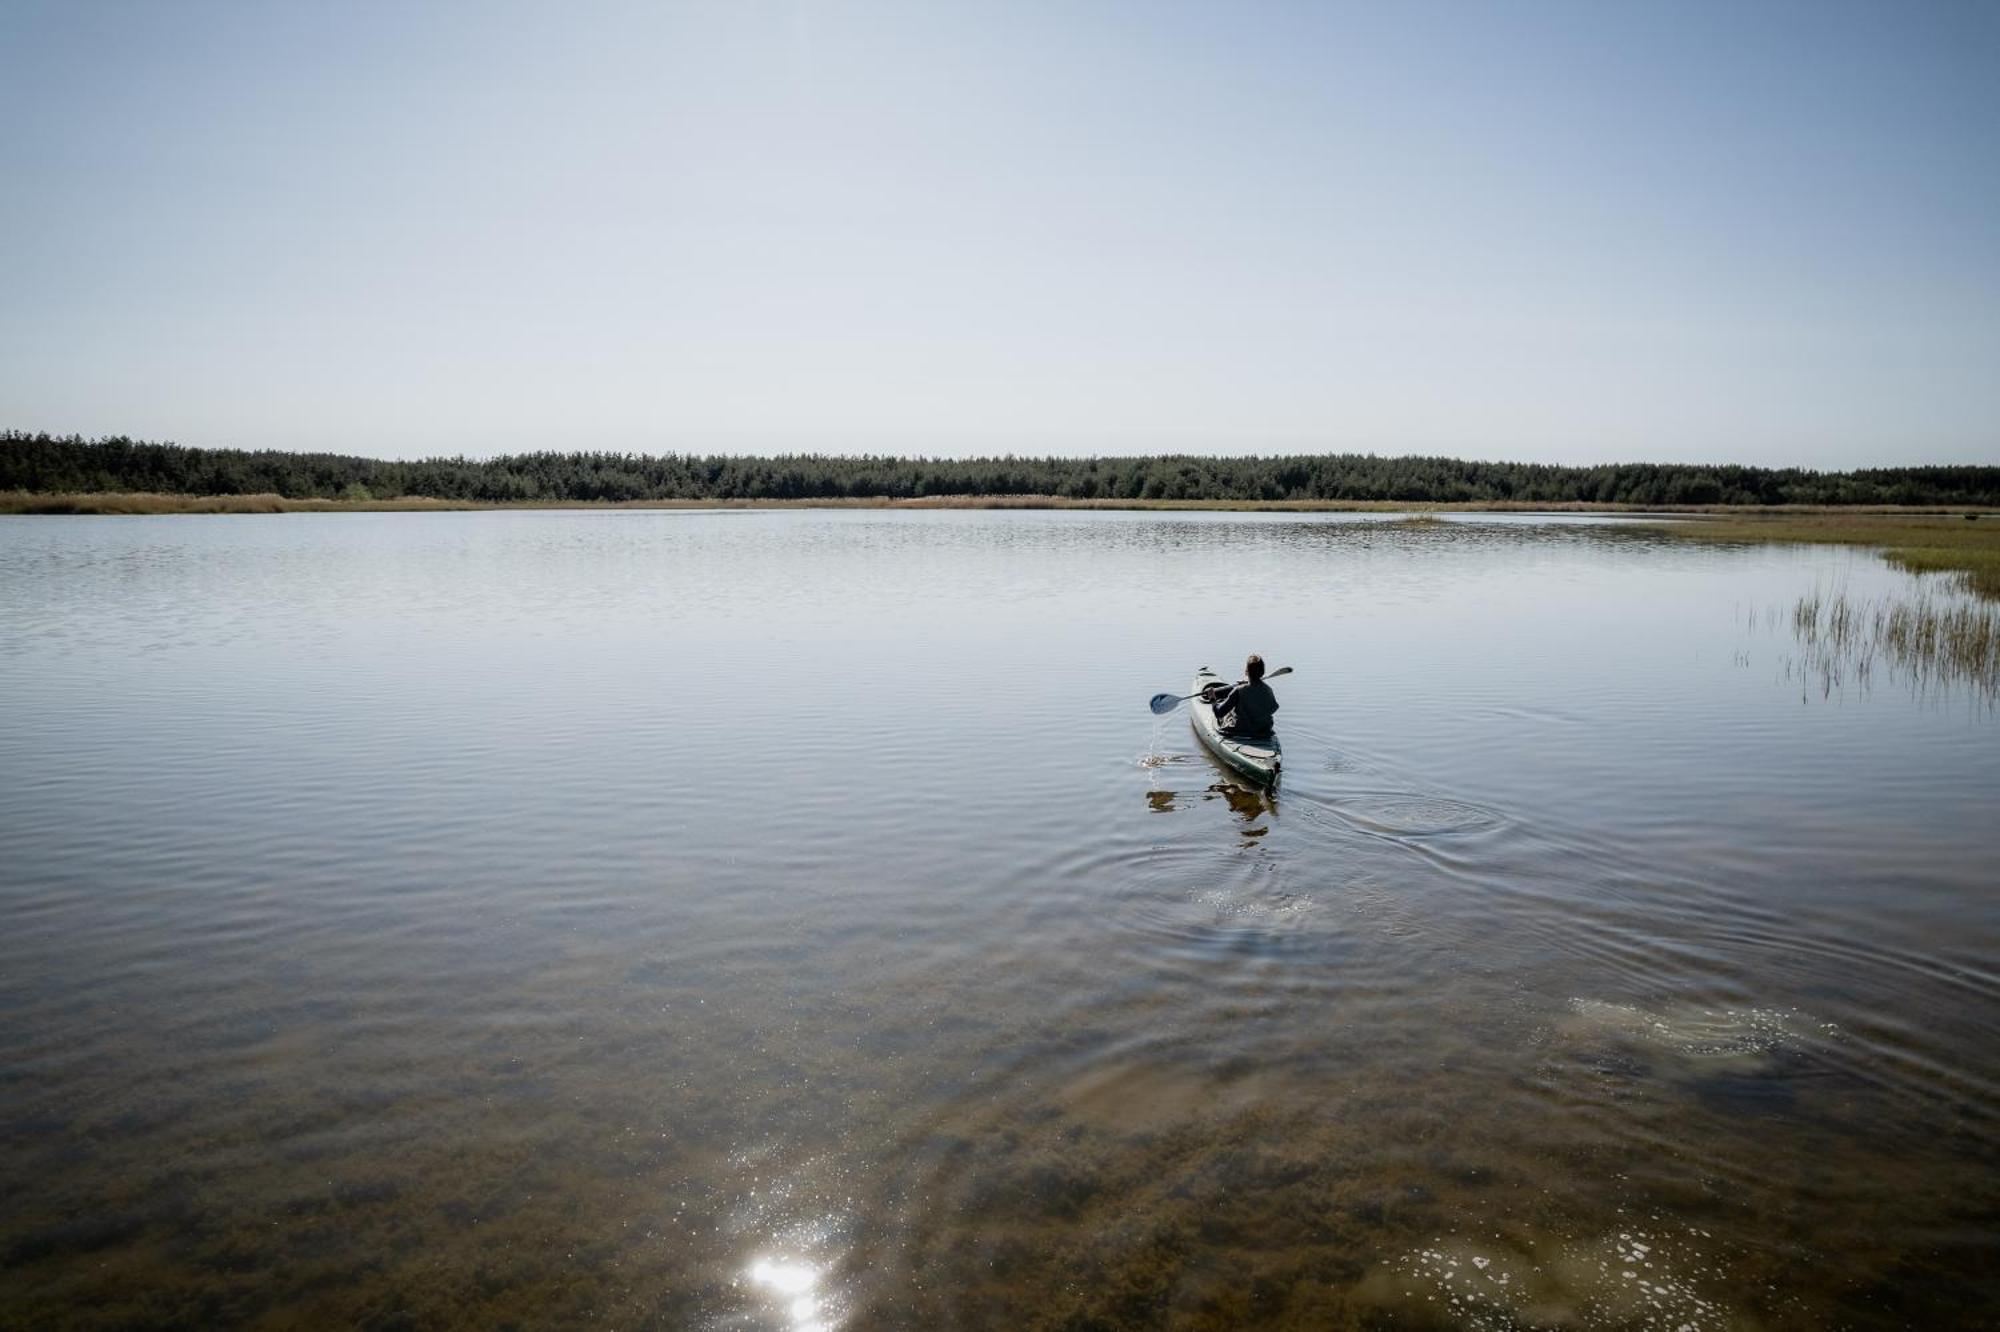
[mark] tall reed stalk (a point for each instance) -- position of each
(1935, 643)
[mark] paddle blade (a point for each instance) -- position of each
(1164, 703)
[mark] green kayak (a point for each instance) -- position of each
(1258, 760)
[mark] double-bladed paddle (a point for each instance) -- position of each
(1162, 704)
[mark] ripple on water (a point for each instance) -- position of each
(1210, 904)
(1409, 814)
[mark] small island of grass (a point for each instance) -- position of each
(1923, 542)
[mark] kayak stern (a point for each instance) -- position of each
(1259, 760)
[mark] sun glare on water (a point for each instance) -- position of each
(791, 1284)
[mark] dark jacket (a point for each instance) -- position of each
(1248, 709)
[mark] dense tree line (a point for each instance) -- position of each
(48, 463)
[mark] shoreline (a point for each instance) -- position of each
(1920, 541)
(144, 503)
(1920, 538)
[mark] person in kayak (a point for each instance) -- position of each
(1246, 709)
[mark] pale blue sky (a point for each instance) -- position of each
(1751, 231)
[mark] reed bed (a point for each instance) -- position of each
(1935, 644)
(1966, 545)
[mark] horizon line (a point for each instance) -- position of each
(13, 434)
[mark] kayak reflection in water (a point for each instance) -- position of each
(1247, 709)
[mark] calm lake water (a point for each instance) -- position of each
(794, 920)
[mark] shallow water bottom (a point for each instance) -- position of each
(411, 949)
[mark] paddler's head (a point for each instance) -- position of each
(1254, 668)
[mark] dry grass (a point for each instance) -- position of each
(1923, 542)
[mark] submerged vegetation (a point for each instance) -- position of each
(1921, 543)
(45, 464)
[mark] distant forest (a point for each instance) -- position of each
(46, 463)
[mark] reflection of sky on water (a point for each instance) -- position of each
(397, 907)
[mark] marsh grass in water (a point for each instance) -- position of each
(1921, 543)
(1935, 644)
